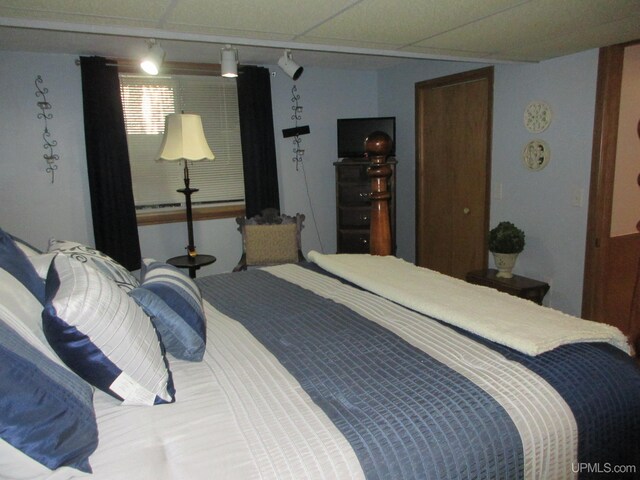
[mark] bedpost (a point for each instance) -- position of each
(377, 146)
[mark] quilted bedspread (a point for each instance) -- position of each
(417, 398)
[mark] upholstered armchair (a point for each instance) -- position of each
(270, 239)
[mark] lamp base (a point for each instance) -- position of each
(187, 190)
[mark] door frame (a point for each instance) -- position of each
(603, 157)
(485, 73)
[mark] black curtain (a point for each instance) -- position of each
(112, 206)
(258, 143)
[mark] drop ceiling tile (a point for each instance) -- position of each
(259, 16)
(519, 30)
(106, 22)
(373, 45)
(227, 32)
(533, 23)
(90, 11)
(626, 29)
(411, 21)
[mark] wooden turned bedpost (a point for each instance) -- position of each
(377, 146)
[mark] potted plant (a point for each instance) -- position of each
(506, 241)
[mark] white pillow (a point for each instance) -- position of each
(103, 335)
(96, 259)
(42, 263)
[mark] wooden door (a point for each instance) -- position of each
(453, 159)
(611, 262)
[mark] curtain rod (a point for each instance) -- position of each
(132, 66)
(77, 62)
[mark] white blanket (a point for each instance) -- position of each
(514, 322)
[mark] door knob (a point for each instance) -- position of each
(466, 211)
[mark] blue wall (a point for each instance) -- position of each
(541, 203)
(325, 95)
(32, 207)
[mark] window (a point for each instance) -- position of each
(146, 101)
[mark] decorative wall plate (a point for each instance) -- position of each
(537, 116)
(536, 155)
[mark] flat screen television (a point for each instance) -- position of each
(352, 133)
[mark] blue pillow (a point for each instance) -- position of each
(103, 336)
(46, 411)
(14, 261)
(174, 303)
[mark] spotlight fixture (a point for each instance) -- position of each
(153, 60)
(290, 67)
(229, 61)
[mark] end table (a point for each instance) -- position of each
(518, 286)
(192, 263)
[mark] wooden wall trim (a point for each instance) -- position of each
(605, 136)
(621, 275)
(154, 217)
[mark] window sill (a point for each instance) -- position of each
(199, 213)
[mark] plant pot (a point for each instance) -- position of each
(504, 263)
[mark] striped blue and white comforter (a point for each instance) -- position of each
(416, 398)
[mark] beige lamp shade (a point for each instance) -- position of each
(184, 139)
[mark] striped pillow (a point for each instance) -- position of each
(14, 261)
(174, 303)
(46, 411)
(103, 336)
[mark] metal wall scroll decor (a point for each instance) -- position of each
(44, 106)
(296, 131)
(297, 115)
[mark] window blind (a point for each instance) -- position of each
(146, 101)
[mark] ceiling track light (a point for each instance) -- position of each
(153, 59)
(229, 61)
(290, 67)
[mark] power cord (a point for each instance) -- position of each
(313, 213)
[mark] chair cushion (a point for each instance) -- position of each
(271, 244)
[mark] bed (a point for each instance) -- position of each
(342, 367)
